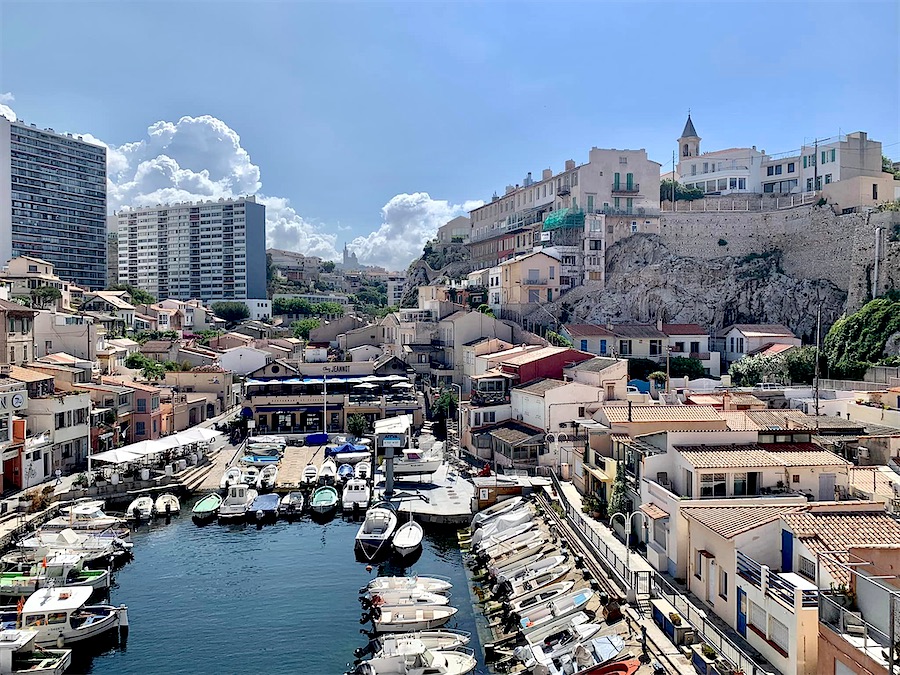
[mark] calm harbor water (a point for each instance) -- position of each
(238, 599)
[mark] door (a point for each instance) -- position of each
(826, 487)
(742, 612)
(787, 551)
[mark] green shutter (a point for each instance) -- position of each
(823, 157)
(804, 161)
(629, 180)
(833, 155)
(616, 182)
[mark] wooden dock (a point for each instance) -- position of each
(294, 461)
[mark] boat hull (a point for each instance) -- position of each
(49, 635)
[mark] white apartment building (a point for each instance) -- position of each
(53, 201)
(205, 250)
(396, 285)
(733, 170)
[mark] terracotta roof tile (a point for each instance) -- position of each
(661, 413)
(729, 521)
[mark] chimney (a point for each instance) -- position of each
(570, 164)
(546, 174)
(629, 411)
(609, 325)
(659, 324)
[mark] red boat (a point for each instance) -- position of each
(627, 667)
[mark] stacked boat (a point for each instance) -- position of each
(408, 615)
(531, 586)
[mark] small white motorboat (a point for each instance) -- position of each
(408, 538)
(493, 511)
(529, 568)
(442, 639)
(575, 625)
(414, 461)
(267, 477)
(356, 494)
(167, 505)
(404, 619)
(19, 655)
(73, 620)
(377, 529)
(310, 474)
(503, 523)
(291, 504)
(280, 441)
(83, 516)
(250, 476)
(507, 558)
(328, 470)
(237, 501)
(352, 458)
(363, 470)
(540, 596)
(557, 608)
(232, 476)
(491, 542)
(140, 509)
(410, 656)
(414, 596)
(545, 578)
(433, 584)
(495, 549)
(324, 500)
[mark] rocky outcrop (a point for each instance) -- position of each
(645, 280)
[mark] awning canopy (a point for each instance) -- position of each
(117, 456)
(597, 473)
(653, 512)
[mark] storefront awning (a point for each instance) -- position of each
(296, 408)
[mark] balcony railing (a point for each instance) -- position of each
(855, 630)
(534, 282)
(484, 398)
(626, 189)
(775, 585)
(563, 190)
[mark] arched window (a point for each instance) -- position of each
(685, 152)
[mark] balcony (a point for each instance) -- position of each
(487, 398)
(775, 585)
(563, 190)
(633, 188)
(853, 629)
(534, 282)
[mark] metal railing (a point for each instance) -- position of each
(628, 189)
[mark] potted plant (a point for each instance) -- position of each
(675, 618)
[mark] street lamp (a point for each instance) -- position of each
(627, 525)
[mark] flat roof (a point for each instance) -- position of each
(540, 386)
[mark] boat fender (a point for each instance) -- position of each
(60, 642)
(123, 617)
(259, 514)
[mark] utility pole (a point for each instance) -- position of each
(673, 180)
(818, 343)
(816, 165)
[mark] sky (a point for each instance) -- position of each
(373, 123)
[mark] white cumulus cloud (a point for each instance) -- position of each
(408, 221)
(5, 110)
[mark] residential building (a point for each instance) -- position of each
(607, 374)
(112, 406)
(734, 170)
(244, 360)
(858, 618)
(64, 416)
(77, 334)
(195, 317)
(16, 333)
(295, 397)
(620, 184)
(53, 201)
(181, 411)
(455, 231)
(205, 250)
(216, 384)
(312, 298)
(295, 266)
(13, 400)
(26, 274)
(147, 414)
(526, 282)
(112, 308)
(396, 286)
(328, 330)
(456, 331)
(739, 339)
(259, 309)
(112, 254)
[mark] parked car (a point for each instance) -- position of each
(766, 386)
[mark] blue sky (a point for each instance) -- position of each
(344, 107)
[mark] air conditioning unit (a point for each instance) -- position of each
(862, 453)
(4, 370)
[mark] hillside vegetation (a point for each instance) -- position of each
(859, 340)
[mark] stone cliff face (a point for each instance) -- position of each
(645, 280)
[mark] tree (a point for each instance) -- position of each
(149, 368)
(443, 408)
(231, 311)
(680, 366)
(358, 425)
(617, 498)
(800, 365)
(888, 166)
(485, 309)
(328, 266)
(658, 377)
(136, 294)
(558, 340)
(302, 327)
(207, 335)
(857, 341)
(639, 369)
(681, 193)
(44, 296)
(758, 368)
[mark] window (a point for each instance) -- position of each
(688, 483)
(823, 156)
(770, 171)
(693, 169)
(655, 347)
(874, 190)
(595, 244)
(48, 346)
(490, 417)
(698, 563)
(806, 567)
(757, 616)
(731, 344)
(809, 184)
(740, 345)
(778, 633)
(552, 271)
(142, 405)
(732, 183)
(712, 485)
(695, 347)
(833, 153)
(659, 532)
(60, 420)
(740, 484)
(616, 180)
(723, 583)
(795, 478)
(791, 168)
(827, 178)
(140, 429)
(602, 346)
(534, 295)
(625, 347)
(584, 345)
(581, 411)
(778, 170)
